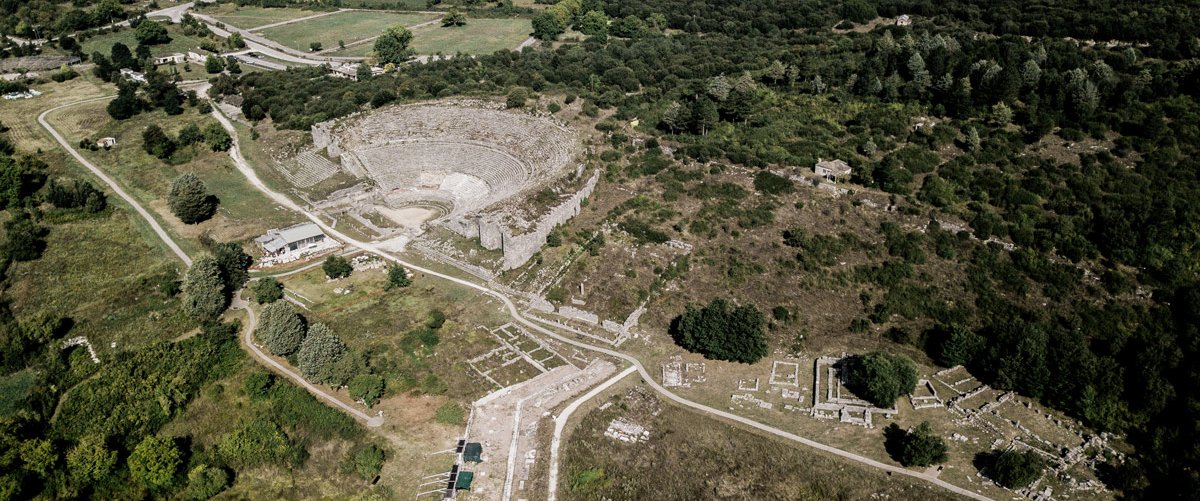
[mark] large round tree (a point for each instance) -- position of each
(204, 290)
(392, 46)
(189, 199)
(880, 377)
(319, 351)
(281, 329)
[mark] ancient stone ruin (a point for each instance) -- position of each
(459, 161)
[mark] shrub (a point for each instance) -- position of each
(516, 97)
(153, 462)
(258, 385)
(366, 387)
(365, 461)
(157, 143)
(24, 240)
(318, 352)
(772, 184)
(267, 290)
(397, 276)
(1015, 470)
(204, 290)
(337, 267)
(189, 199)
(205, 482)
(958, 346)
(257, 443)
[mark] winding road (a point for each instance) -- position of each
(635, 364)
(238, 303)
(158, 229)
(252, 177)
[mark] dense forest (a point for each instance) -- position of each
(768, 84)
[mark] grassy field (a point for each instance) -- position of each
(249, 16)
(347, 27)
(244, 213)
(388, 4)
(101, 273)
(690, 456)
(179, 42)
(381, 322)
(479, 36)
(21, 115)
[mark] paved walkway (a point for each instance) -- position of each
(560, 423)
(158, 229)
(513, 312)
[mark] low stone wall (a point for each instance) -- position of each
(518, 249)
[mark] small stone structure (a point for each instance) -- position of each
(82, 341)
(625, 431)
(832, 170)
(676, 373)
(170, 59)
(833, 404)
(922, 400)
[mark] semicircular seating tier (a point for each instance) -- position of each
(456, 158)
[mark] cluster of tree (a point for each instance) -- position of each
(20, 179)
(770, 81)
(1012, 469)
(722, 331)
(160, 92)
(78, 194)
(336, 267)
(159, 144)
(319, 354)
(46, 19)
(212, 279)
(91, 457)
(126, 454)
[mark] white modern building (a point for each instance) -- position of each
(290, 239)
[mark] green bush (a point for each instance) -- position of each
(772, 184)
(365, 461)
(1016, 470)
(722, 331)
(367, 388)
(267, 290)
(337, 267)
(916, 447)
(880, 377)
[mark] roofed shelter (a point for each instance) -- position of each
(832, 169)
(473, 452)
(464, 481)
(280, 241)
